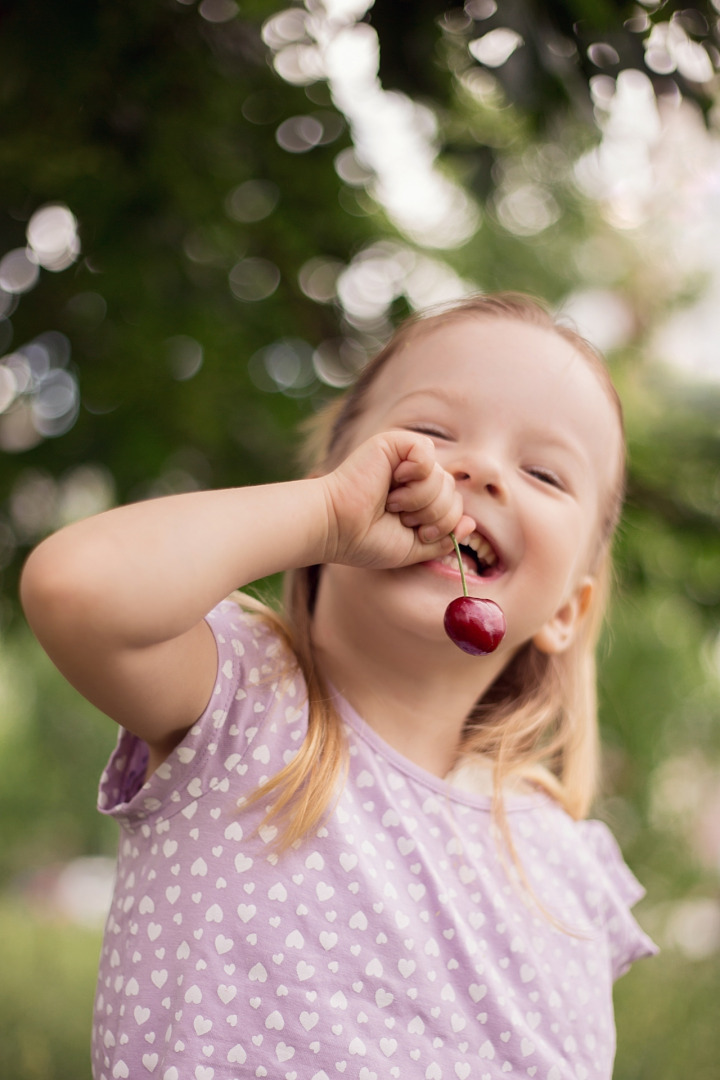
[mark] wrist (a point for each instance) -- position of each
(328, 536)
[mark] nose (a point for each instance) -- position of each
(480, 472)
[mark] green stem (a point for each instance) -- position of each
(460, 563)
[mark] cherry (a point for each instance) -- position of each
(475, 626)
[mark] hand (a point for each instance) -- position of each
(391, 504)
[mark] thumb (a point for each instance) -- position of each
(428, 546)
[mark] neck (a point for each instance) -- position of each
(416, 695)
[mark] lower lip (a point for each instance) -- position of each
(442, 570)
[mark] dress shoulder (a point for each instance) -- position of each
(621, 891)
(250, 663)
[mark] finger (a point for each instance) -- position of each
(465, 526)
(420, 494)
(440, 502)
(415, 456)
(436, 548)
(443, 525)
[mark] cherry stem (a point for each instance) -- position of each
(460, 563)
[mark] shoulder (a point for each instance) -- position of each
(255, 674)
(579, 864)
(249, 645)
(231, 623)
(582, 849)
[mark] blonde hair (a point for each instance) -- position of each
(538, 720)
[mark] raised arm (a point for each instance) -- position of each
(118, 600)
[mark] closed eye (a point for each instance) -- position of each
(547, 476)
(429, 430)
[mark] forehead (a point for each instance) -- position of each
(505, 371)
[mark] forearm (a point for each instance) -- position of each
(148, 572)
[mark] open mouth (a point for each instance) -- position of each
(481, 552)
(478, 556)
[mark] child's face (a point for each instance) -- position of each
(524, 425)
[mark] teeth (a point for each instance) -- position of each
(481, 547)
(449, 560)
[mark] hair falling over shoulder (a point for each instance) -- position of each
(538, 720)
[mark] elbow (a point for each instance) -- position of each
(39, 586)
(53, 588)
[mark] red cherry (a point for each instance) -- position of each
(475, 626)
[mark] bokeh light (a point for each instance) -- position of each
(52, 236)
(298, 134)
(603, 316)
(351, 170)
(318, 279)
(82, 891)
(33, 504)
(527, 209)
(202, 249)
(693, 927)
(184, 355)
(338, 361)
(656, 177)
(480, 9)
(218, 11)
(19, 271)
(83, 491)
(253, 200)
(668, 48)
(386, 270)
(618, 174)
(39, 503)
(8, 303)
(55, 404)
(285, 28)
(253, 279)
(39, 396)
(300, 65)
(496, 46)
(285, 366)
(394, 137)
(603, 55)
(431, 281)
(374, 278)
(8, 387)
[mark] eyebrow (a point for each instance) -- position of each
(449, 396)
(548, 436)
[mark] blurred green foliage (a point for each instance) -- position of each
(666, 1020)
(145, 119)
(46, 995)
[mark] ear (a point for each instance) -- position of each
(559, 631)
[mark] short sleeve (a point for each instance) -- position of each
(621, 891)
(213, 746)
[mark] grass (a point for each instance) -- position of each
(46, 993)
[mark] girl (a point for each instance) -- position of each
(366, 858)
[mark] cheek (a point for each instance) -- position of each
(598, 523)
(565, 545)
